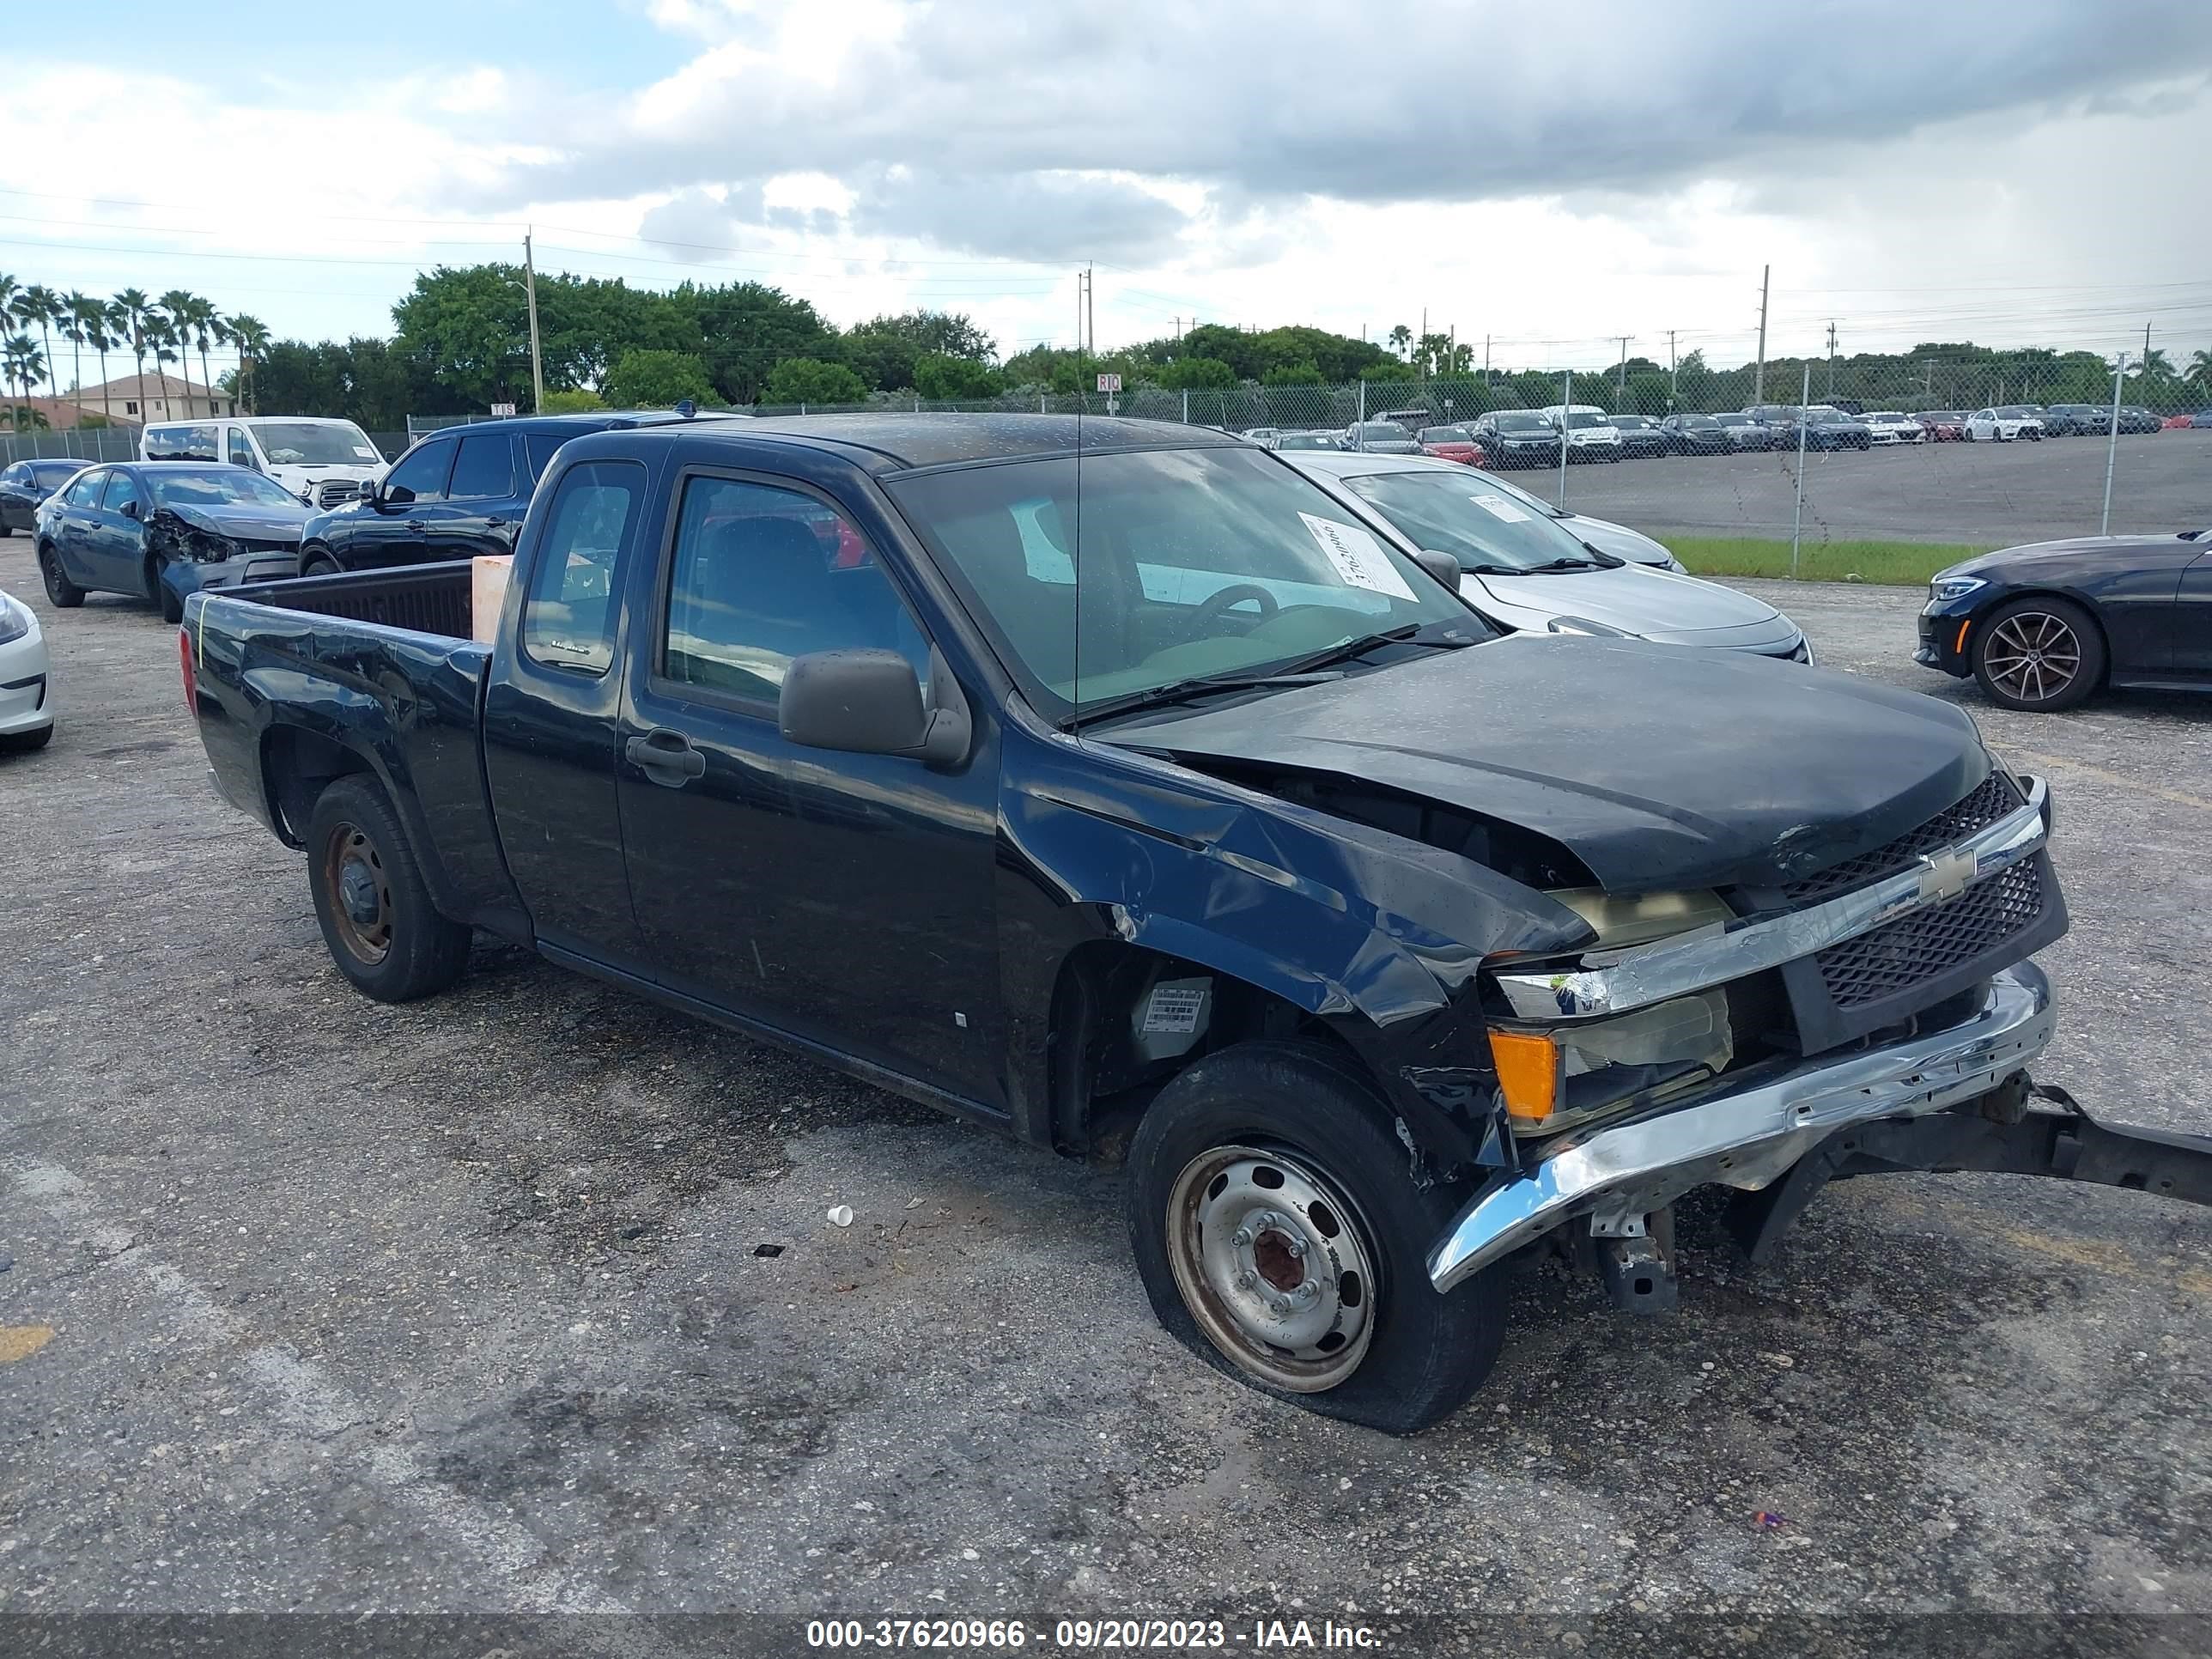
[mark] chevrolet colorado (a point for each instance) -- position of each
(1110, 783)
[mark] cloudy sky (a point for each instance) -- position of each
(1552, 177)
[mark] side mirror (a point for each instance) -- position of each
(372, 491)
(129, 509)
(1441, 566)
(869, 702)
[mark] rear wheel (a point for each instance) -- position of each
(2040, 654)
(1280, 1239)
(374, 907)
(65, 593)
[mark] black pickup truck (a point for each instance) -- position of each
(1107, 782)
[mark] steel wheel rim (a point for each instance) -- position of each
(359, 891)
(1273, 1261)
(2033, 655)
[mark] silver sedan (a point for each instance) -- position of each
(1532, 573)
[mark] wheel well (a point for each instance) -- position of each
(296, 767)
(1106, 1066)
(2096, 621)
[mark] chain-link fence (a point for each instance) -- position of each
(120, 443)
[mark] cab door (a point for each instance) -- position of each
(118, 536)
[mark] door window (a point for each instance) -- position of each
(85, 492)
(542, 446)
(568, 619)
(763, 576)
(484, 469)
(122, 491)
(18, 474)
(420, 476)
(241, 449)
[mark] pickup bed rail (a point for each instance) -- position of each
(429, 598)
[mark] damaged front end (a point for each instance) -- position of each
(200, 550)
(1720, 1037)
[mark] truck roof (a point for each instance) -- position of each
(914, 439)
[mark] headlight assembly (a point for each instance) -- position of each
(14, 620)
(1944, 589)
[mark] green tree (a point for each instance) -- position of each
(2199, 371)
(41, 307)
(136, 319)
(1196, 374)
(1305, 371)
(1401, 340)
(747, 329)
(572, 400)
(938, 376)
(177, 307)
(810, 380)
(472, 324)
(658, 379)
(251, 335)
(883, 350)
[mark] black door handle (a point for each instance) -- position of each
(495, 523)
(666, 756)
(414, 524)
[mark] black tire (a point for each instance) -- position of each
(65, 593)
(318, 561)
(390, 941)
(2022, 649)
(171, 607)
(1416, 1355)
(23, 743)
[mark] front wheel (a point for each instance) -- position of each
(2040, 654)
(383, 932)
(65, 593)
(317, 561)
(1280, 1239)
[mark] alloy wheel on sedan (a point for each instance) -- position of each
(2040, 654)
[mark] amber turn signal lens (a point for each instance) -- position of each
(1529, 1073)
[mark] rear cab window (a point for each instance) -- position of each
(568, 615)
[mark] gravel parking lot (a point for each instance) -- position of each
(1997, 493)
(523, 1298)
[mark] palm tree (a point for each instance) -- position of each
(43, 306)
(209, 328)
(134, 316)
(98, 324)
(2200, 368)
(1401, 338)
(72, 322)
(176, 307)
(167, 346)
(25, 364)
(251, 336)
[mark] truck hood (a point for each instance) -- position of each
(1640, 601)
(1660, 768)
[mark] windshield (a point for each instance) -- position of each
(227, 486)
(315, 443)
(1521, 424)
(2017, 412)
(1697, 420)
(1581, 423)
(1822, 412)
(1480, 525)
(51, 475)
(1445, 435)
(1194, 562)
(1384, 429)
(1633, 422)
(1310, 441)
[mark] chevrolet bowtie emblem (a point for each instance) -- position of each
(1945, 875)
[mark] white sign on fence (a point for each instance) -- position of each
(502, 410)
(1110, 383)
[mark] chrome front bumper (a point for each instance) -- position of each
(1749, 1137)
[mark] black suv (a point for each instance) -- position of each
(457, 493)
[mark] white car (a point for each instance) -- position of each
(323, 462)
(1589, 437)
(2004, 425)
(1890, 427)
(27, 702)
(1531, 573)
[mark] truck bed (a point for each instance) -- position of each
(426, 598)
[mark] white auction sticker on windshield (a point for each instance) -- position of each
(1357, 557)
(1500, 508)
(364, 452)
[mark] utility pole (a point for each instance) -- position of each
(2112, 439)
(1831, 359)
(530, 291)
(2146, 356)
(1419, 345)
(1758, 374)
(1486, 362)
(1621, 384)
(1673, 375)
(1091, 305)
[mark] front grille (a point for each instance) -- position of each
(1983, 807)
(331, 492)
(1917, 947)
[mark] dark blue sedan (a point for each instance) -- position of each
(162, 529)
(27, 484)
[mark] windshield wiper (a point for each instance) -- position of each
(1444, 632)
(1160, 696)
